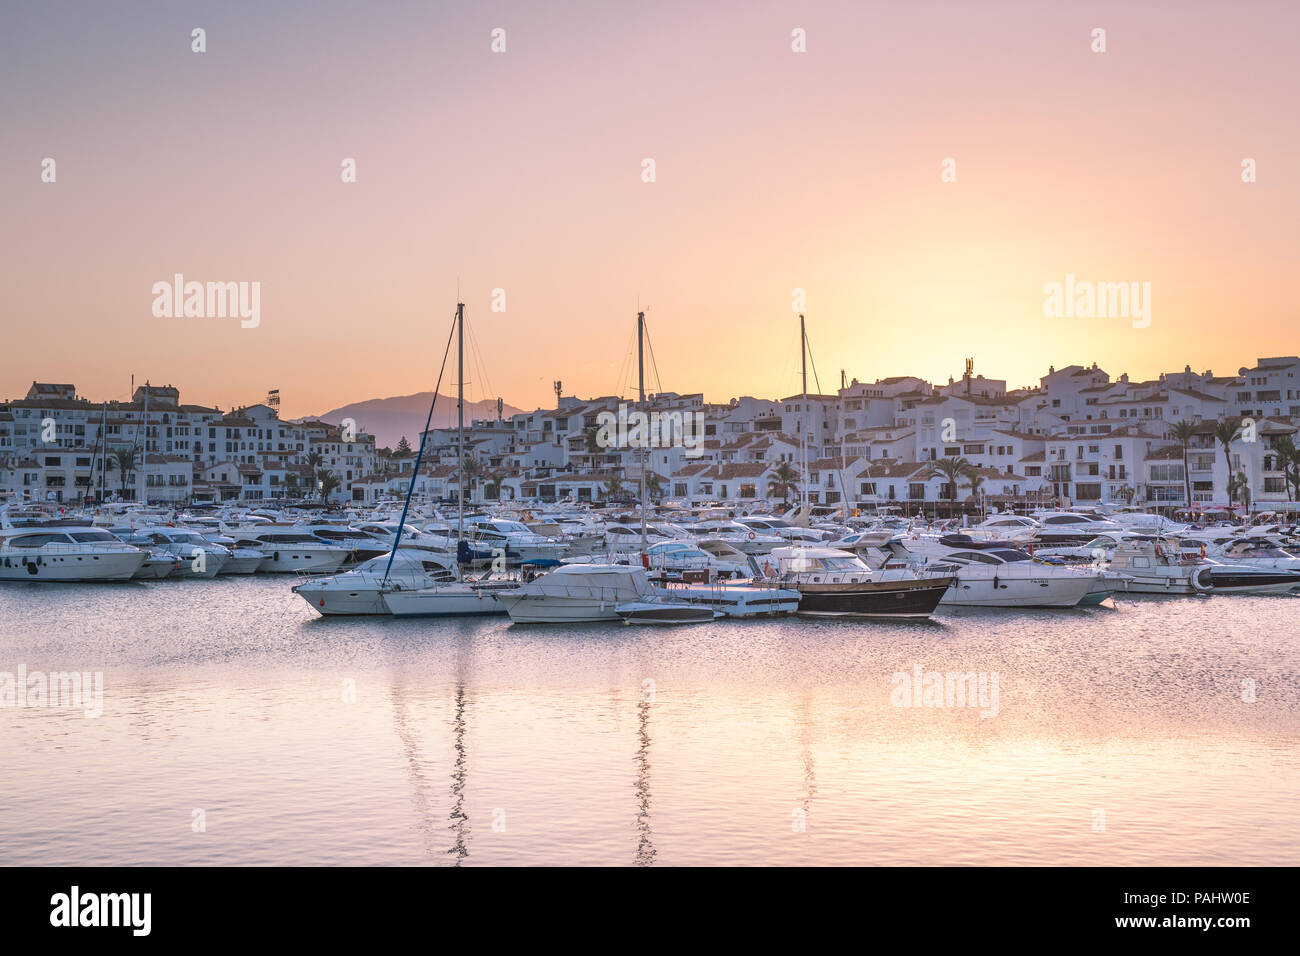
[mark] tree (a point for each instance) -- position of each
(328, 482)
(1239, 486)
(783, 480)
(1288, 457)
(403, 447)
(654, 485)
(472, 470)
(1127, 492)
(953, 469)
(493, 489)
(314, 460)
(125, 458)
(613, 487)
(1183, 431)
(1226, 432)
(591, 436)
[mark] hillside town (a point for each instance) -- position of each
(1080, 437)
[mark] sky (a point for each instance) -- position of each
(523, 171)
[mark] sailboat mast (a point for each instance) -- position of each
(103, 458)
(640, 378)
(460, 419)
(803, 446)
(144, 454)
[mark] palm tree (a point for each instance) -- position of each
(328, 482)
(1287, 455)
(125, 458)
(654, 485)
(974, 479)
(1183, 431)
(1127, 492)
(613, 487)
(1226, 433)
(590, 435)
(953, 469)
(1239, 485)
(493, 488)
(314, 460)
(472, 470)
(783, 480)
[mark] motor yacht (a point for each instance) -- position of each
(72, 553)
(1065, 529)
(199, 557)
(991, 573)
(739, 536)
(290, 551)
(838, 583)
(573, 593)
(493, 537)
(670, 558)
(773, 526)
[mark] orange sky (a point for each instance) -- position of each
(521, 171)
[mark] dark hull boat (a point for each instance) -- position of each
(1227, 578)
(902, 598)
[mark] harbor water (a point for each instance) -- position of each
(239, 727)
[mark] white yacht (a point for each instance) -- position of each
(770, 525)
(574, 593)
(1065, 529)
(66, 554)
(1008, 527)
(199, 557)
(361, 590)
(290, 551)
(1162, 566)
(994, 573)
(490, 537)
(739, 536)
(671, 558)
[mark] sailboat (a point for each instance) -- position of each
(839, 583)
(405, 596)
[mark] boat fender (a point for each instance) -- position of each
(277, 556)
(752, 536)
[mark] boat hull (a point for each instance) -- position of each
(1019, 592)
(915, 598)
(71, 568)
(452, 601)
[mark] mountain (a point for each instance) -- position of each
(388, 419)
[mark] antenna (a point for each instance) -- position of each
(559, 387)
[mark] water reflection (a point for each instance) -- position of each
(459, 825)
(645, 848)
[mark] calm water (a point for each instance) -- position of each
(479, 742)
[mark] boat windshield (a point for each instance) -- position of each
(1009, 555)
(94, 537)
